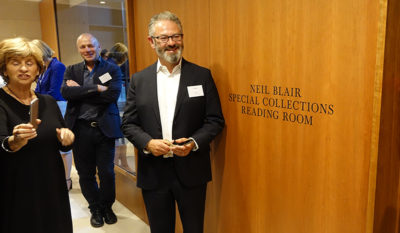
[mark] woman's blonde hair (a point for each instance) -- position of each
(119, 52)
(19, 47)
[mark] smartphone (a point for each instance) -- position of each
(183, 143)
(34, 112)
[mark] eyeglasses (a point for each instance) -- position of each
(165, 39)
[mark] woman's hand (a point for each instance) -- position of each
(22, 133)
(65, 136)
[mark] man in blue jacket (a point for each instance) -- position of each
(92, 88)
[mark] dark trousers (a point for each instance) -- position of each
(92, 149)
(160, 205)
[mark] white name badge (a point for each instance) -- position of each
(105, 78)
(195, 91)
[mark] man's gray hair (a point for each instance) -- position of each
(94, 39)
(46, 50)
(166, 15)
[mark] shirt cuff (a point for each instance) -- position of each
(196, 146)
(6, 146)
(146, 151)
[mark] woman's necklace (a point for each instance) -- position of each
(20, 100)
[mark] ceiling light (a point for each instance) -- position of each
(102, 2)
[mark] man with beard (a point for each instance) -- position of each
(172, 114)
(92, 88)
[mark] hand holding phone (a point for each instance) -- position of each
(34, 112)
(182, 143)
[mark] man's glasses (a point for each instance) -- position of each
(165, 39)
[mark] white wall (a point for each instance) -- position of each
(19, 18)
(104, 24)
(72, 21)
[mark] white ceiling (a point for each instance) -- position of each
(113, 4)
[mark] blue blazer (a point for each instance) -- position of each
(109, 120)
(50, 82)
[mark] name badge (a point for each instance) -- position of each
(105, 78)
(195, 91)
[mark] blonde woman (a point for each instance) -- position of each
(34, 197)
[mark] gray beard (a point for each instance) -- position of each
(173, 58)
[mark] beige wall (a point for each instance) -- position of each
(22, 18)
(19, 18)
(104, 24)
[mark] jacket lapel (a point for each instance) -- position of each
(182, 89)
(153, 95)
(79, 74)
(99, 68)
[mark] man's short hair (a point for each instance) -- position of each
(166, 15)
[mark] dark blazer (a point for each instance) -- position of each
(198, 117)
(50, 82)
(109, 120)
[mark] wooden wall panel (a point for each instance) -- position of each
(293, 177)
(130, 19)
(129, 195)
(195, 19)
(48, 24)
(387, 210)
(274, 175)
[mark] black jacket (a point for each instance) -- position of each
(109, 119)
